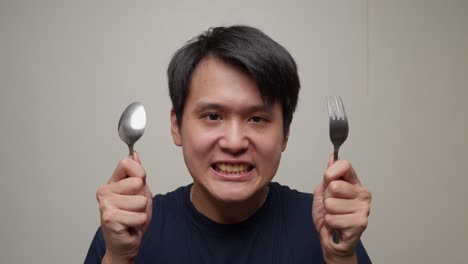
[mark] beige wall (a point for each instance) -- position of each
(67, 70)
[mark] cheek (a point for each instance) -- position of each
(196, 147)
(198, 141)
(268, 156)
(269, 146)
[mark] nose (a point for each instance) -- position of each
(234, 139)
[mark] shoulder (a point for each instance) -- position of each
(174, 195)
(296, 205)
(171, 202)
(289, 195)
(303, 240)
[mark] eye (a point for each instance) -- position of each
(213, 117)
(256, 119)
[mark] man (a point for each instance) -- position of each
(234, 91)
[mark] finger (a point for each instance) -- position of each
(341, 189)
(127, 168)
(128, 186)
(119, 220)
(136, 157)
(147, 192)
(341, 206)
(149, 205)
(346, 221)
(343, 170)
(133, 203)
(131, 219)
(331, 160)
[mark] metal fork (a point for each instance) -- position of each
(338, 123)
(338, 134)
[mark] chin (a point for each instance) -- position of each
(234, 194)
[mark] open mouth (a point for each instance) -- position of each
(232, 168)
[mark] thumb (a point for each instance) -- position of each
(330, 161)
(136, 157)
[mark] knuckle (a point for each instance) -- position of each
(141, 174)
(346, 164)
(144, 220)
(328, 204)
(365, 193)
(364, 210)
(334, 187)
(363, 222)
(368, 196)
(102, 191)
(328, 175)
(141, 201)
(144, 201)
(137, 182)
(328, 219)
(107, 217)
(123, 163)
(103, 206)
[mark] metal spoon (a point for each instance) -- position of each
(132, 124)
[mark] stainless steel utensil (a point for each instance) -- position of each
(132, 124)
(338, 134)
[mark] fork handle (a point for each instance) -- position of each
(336, 233)
(336, 236)
(335, 153)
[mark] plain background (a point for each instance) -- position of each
(68, 69)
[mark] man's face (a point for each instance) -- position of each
(231, 139)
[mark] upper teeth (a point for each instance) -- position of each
(233, 167)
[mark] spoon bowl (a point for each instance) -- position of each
(132, 124)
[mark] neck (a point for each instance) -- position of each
(226, 212)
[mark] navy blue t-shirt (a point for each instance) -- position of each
(281, 231)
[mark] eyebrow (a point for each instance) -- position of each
(203, 106)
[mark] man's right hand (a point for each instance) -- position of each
(125, 203)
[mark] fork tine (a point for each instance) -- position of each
(334, 107)
(336, 104)
(330, 108)
(336, 110)
(342, 109)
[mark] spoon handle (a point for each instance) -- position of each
(130, 151)
(131, 230)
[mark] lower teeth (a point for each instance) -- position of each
(231, 172)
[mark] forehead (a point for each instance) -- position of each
(218, 82)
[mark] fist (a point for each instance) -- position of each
(125, 204)
(341, 204)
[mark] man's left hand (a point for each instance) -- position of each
(341, 204)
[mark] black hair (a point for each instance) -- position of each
(267, 62)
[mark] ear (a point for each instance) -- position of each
(175, 129)
(285, 141)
